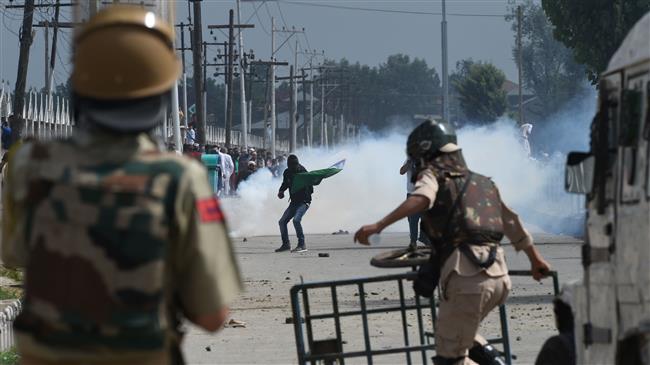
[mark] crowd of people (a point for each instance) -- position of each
(236, 164)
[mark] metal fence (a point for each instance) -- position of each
(331, 350)
(7, 317)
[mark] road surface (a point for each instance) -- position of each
(268, 277)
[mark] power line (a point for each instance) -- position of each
(342, 7)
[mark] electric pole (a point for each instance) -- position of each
(47, 53)
(197, 58)
(231, 63)
(445, 71)
(26, 39)
(292, 111)
(182, 27)
(305, 127)
(272, 76)
(519, 58)
(270, 104)
(291, 32)
(242, 82)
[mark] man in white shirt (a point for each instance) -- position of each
(227, 168)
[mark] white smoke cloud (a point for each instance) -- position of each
(370, 185)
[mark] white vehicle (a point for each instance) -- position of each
(612, 304)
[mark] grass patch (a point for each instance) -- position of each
(15, 275)
(9, 293)
(9, 357)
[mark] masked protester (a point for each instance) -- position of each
(299, 202)
(465, 219)
(119, 239)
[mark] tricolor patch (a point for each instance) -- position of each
(209, 210)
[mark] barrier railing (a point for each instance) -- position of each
(7, 317)
(331, 350)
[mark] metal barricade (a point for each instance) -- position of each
(330, 350)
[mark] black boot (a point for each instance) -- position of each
(485, 355)
(284, 247)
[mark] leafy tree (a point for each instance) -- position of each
(594, 29)
(401, 87)
(549, 69)
(480, 89)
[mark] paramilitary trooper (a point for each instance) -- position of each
(465, 219)
(119, 239)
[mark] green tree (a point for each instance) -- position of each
(549, 68)
(401, 87)
(594, 29)
(480, 89)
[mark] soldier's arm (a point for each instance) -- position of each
(420, 200)
(208, 274)
(522, 241)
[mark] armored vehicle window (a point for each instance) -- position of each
(630, 117)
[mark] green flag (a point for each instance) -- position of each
(304, 179)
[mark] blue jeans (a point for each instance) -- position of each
(414, 225)
(296, 212)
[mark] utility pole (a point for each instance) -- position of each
(305, 127)
(242, 82)
(197, 58)
(270, 89)
(53, 58)
(292, 106)
(292, 111)
(231, 40)
(273, 78)
(26, 39)
(47, 54)
(231, 63)
(519, 57)
(445, 72)
(182, 27)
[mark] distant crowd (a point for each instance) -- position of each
(235, 165)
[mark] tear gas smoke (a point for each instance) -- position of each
(370, 185)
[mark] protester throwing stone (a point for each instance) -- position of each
(299, 201)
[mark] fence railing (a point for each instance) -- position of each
(49, 117)
(7, 316)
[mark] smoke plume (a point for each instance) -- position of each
(370, 185)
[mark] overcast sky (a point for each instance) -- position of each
(358, 35)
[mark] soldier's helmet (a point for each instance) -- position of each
(429, 139)
(124, 68)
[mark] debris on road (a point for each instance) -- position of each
(323, 254)
(340, 231)
(233, 323)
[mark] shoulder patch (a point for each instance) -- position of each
(209, 210)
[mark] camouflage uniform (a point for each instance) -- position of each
(468, 292)
(116, 238)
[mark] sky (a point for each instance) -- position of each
(364, 36)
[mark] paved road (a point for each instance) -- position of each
(269, 276)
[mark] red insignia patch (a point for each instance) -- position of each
(209, 210)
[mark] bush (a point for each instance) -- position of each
(9, 357)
